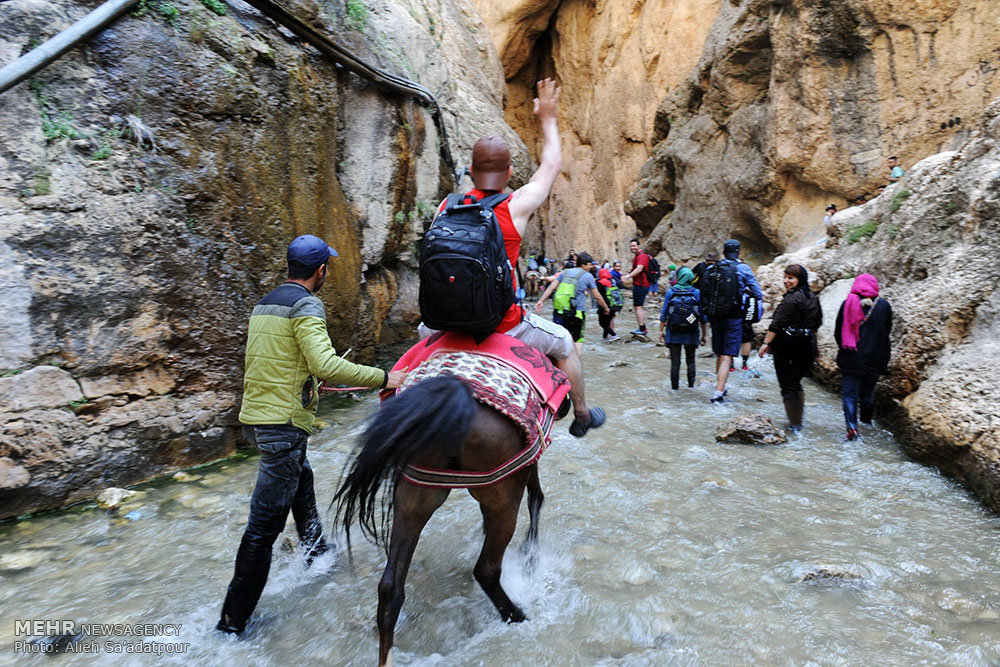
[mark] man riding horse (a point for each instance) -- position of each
(475, 413)
(491, 171)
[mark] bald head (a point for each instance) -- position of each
(491, 167)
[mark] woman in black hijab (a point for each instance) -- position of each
(791, 338)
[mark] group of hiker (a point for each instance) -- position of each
(722, 299)
(468, 284)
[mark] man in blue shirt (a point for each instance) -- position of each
(727, 332)
(895, 171)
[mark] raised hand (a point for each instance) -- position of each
(547, 102)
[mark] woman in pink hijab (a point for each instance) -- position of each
(862, 334)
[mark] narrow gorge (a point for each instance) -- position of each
(150, 180)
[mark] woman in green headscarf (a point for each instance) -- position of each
(680, 322)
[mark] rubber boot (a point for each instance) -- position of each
(794, 405)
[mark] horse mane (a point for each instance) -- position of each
(436, 412)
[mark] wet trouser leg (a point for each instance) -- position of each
(866, 397)
(306, 516)
(280, 485)
(689, 351)
(790, 372)
(858, 393)
(675, 364)
(850, 387)
(605, 322)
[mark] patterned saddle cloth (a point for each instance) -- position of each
(515, 380)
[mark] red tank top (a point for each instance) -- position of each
(512, 244)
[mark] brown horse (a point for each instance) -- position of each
(436, 424)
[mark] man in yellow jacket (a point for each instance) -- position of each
(288, 354)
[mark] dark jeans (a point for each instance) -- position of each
(790, 371)
(675, 363)
(605, 322)
(858, 390)
(284, 482)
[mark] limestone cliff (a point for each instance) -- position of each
(149, 183)
(615, 61)
(932, 243)
(797, 103)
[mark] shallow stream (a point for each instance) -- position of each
(658, 546)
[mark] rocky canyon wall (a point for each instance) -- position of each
(149, 184)
(615, 60)
(932, 242)
(798, 103)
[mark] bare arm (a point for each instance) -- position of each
(533, 194)
(545, 295)
(594, 292)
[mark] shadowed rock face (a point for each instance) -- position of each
(799, 103)
(932, 243)
(128, 272)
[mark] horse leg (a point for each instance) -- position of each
(535, 500)
(499, 504)
(412, 507)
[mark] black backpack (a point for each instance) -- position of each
(466, 280)
(681, 315)
(720, 290)
(653, 271)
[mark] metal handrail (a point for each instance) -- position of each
(47, 52)
(380, 78)
(50, 50)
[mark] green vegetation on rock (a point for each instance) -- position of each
(163, 8)
(898, 199)
(357, 15)
(864, 231)
(55, 124)
(216, 6)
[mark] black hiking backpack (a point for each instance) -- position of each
(466, 280)
(720, 290)
(681, 314)
(653, 270)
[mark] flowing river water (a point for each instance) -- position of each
(657, 546)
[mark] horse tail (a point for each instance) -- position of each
(436, 412)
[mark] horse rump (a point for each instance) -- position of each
(436, 412)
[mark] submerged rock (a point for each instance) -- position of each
(112, 498)
(19, 561)
(832, 575)
(751, 430)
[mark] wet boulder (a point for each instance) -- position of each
(112, 498)
(19, 561)
(750, 430)
(832, 575)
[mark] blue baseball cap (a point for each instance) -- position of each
(309, 251)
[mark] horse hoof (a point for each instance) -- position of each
(516, 616)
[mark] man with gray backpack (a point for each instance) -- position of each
(466, 265)
(723, 287)
(570, 303)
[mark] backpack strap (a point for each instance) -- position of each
(455, 200)
(494, 200)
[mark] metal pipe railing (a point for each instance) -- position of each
(50, 50)
(380, 78)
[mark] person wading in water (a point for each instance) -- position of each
(791, 338)
(491, 171)
(288, 354)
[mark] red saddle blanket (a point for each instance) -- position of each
(505, 374)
